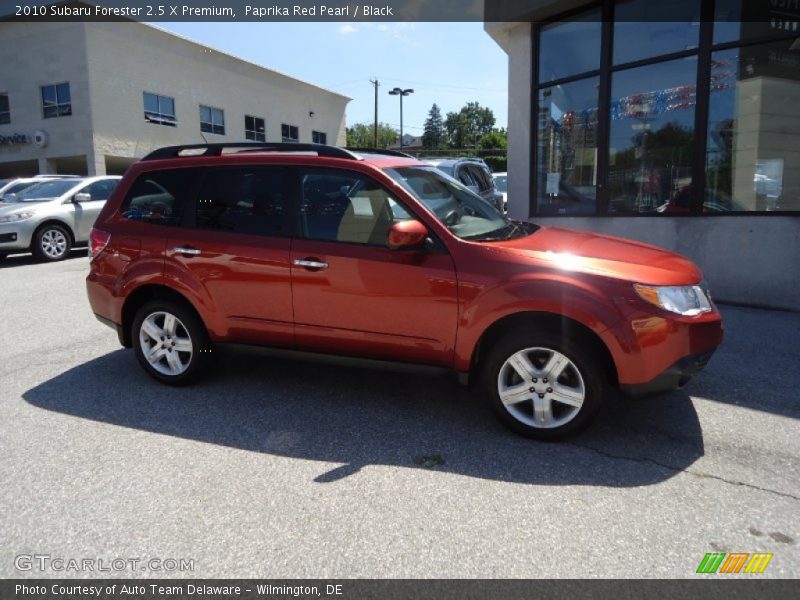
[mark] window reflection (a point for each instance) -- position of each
(567, 155)
(651, 137)
(648, 28)
(568, 48)
(752, 160)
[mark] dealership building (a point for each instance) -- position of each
(91, 98)
(675, 122)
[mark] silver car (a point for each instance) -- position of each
(50, 217)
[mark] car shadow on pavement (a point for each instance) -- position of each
(19, 260)
(359, 417)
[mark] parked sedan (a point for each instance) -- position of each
(51, 216)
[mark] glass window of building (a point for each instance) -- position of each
(652, 137)
(752, 154)
(567, 149)
(159, 109)
(212, 120)
(647, 28)
(254, 129)
(745, 20)
(319, 137)
(56, 100)
(290, 133)
(5, 110)
(570, 47)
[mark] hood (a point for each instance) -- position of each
(587, 252)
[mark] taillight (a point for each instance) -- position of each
(98, 240)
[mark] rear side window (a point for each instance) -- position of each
(101, 190)
(247, 200)
(160, 196)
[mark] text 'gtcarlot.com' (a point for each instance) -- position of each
(47, 562)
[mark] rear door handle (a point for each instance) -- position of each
(185, 250)
(310, 264)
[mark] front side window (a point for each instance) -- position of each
(5, 110)
(159, 197)
(464, 213)
(101, 190)
(212, 120)
(652, 137)
(319, 137)
(290, 133)
(751, 162)
(159, 109)
(340, 206)
(254, 129)
(567, 150)
(56, 100)
(246, 200)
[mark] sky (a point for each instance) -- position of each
(446, 63)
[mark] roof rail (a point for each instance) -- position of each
(216, 149)
(387, 152)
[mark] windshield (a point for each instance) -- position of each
(43, 191)
(16, 188)
(501, 183)
(466, 214)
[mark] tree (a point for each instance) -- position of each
(468, 125)
(495, 139)
(435, 135)
(361, 135)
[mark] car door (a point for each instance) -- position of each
(352, 295)
(85, 213)
(232, 253)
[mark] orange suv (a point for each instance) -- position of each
(324, 250)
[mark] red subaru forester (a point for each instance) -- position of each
(375, 255)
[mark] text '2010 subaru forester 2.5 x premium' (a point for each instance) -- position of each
(323, 250)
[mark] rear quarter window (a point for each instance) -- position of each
(159, 197)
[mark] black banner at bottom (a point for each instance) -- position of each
(711, 588)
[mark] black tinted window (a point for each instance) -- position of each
(159, 197)
(248, 200)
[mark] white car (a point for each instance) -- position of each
(501, 183)
(51, 216)
(17, 184)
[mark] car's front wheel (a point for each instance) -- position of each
(170, 342)
(543, 385)
(51, 243)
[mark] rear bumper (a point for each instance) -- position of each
(673, 378)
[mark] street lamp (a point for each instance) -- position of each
(400, 92)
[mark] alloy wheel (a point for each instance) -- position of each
(165, 343)
(54, 243)
(541, 387)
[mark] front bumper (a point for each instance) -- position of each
(16, 236)
(673, 378)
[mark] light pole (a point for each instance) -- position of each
(400, 92)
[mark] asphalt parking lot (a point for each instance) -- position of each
(272, 468)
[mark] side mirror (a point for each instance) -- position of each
(407, 234)
(82, 197)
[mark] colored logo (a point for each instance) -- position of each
(734, 562)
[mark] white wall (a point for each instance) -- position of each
(39, 54)
(127, 59)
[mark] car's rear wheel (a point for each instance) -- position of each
(170, 342)
(543, 385)
(51, 243)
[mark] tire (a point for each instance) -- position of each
(51, 243)
(573, 401)
(181, 344)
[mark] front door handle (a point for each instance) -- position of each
(185, 250)
(312, 264)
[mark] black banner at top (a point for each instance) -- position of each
(764, 11)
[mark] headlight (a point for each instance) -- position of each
(688, 300)
(13, 217)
